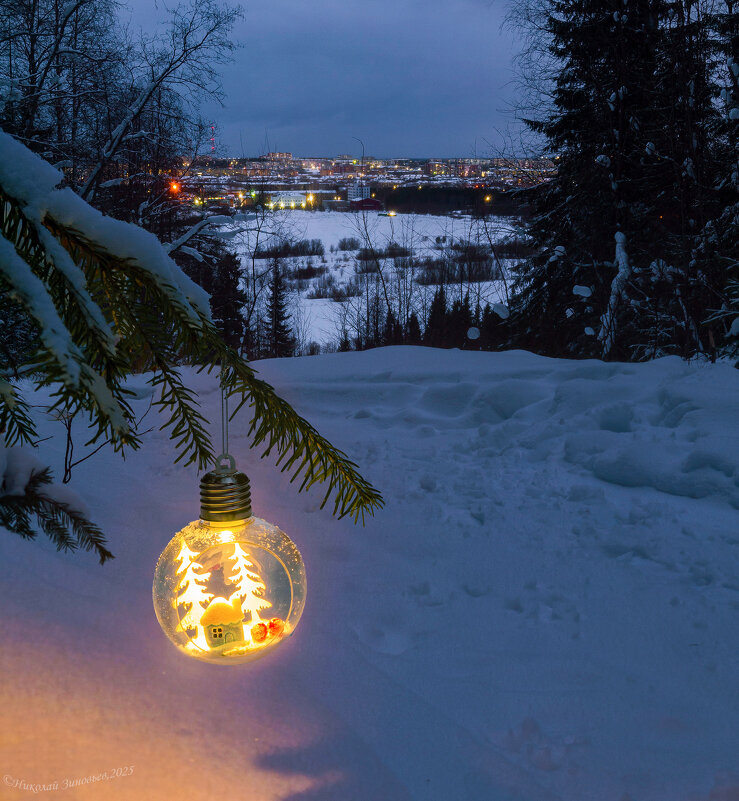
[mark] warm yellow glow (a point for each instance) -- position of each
(488, 198)
(229, 594)
(391, 213)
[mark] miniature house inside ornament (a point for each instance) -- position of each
(229, 587)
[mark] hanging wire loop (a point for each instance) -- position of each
(224, 455)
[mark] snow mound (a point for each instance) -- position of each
(544, 611)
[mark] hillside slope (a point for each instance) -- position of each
(546, 608)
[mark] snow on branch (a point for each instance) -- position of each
(607, 334)
(106, 296)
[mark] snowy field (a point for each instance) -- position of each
(414, 230)
(546, 610)
(319, 319)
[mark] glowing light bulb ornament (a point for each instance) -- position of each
(230, 587)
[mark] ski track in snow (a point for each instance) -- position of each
(546, 610)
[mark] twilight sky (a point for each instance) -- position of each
(408, 77)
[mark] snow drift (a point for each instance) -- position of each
(546, 609)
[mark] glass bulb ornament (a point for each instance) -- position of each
(230, 587)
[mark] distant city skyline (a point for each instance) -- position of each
(410, 78)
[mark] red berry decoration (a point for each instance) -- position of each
(259, 632)
(276, 627)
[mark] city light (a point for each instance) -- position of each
(281, 188)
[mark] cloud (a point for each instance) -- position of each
(409, 77)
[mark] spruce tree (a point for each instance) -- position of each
(613, 220)
(436, 334)
(459, 322)
(392, 333)
(413, 330)
(671, 289)
(227, 300)
(345, 344)
(218, 272)
(717, 244)
(278, 336)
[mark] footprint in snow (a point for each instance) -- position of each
(540, 751)
(383, 641)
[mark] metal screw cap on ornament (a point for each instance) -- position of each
(229, 587)
(225, 493)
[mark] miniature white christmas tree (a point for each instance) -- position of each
(191, 595)
(248, 584)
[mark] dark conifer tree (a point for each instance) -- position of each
(278, 338)
(717, 245)
(217, 270)
(227, 300)
(392, 333)
(18, 333)
(459, 322)
(413, 330)
(615, 219)
(345, 344)
(436, 333)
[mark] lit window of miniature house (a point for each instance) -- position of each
(222, 622)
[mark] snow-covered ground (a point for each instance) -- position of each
(545, 610)
(424, 235)
(418, 231)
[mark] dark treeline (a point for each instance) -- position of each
(637, 236)
(450, 324)
(444, 199)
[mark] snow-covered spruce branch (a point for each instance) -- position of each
(297, 444)
(78, 345)
(194, 230)
(16, 425)
(108, 301)
(64, 525)
(273, 422)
